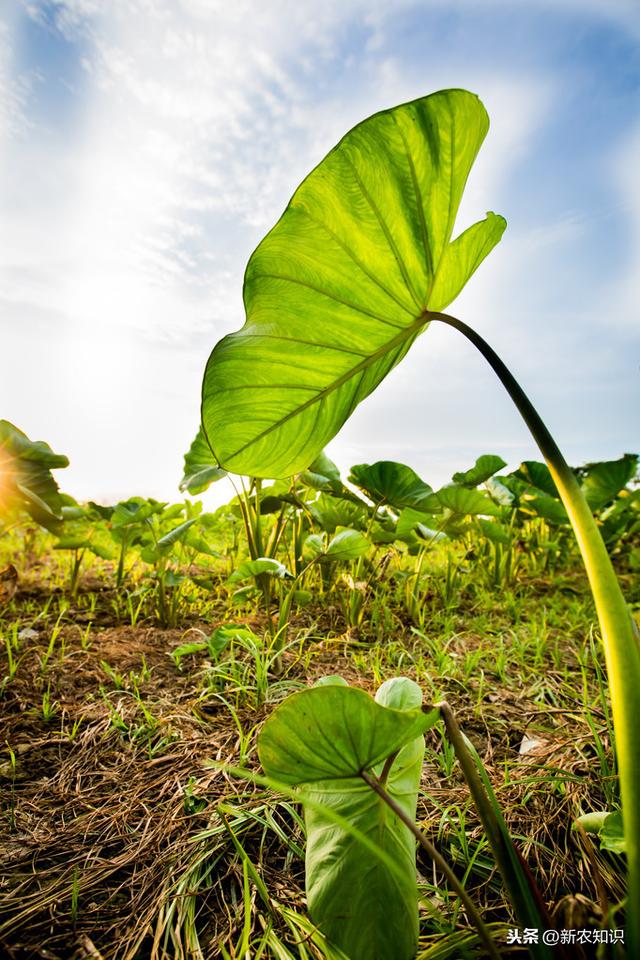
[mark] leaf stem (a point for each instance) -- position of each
(525, 897)
(619, 632)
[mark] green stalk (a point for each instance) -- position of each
(526, 900)
(257, 523)
(619, 633)
(123, 552)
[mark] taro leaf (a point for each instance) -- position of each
(340, 288)
(496, 532)
(256, 568)
(16, 444)
(331, 514)
(105, 513)
(274, 504)
(484, 468)
(392, 483)
(103, 550)
(134, 511)
(313, 545)
(422, 523)
(25, 476)
(77, 541)
(468, 502)
(346, 545)
(533, 500)
(380, 534)
(323, 474)
(320, 734)
(177, 535)
(604, 481)
(201, 468)
(538, 475)
(77, 536)
(171, 512)
(201, 545)
(546, 507)
(322, 738)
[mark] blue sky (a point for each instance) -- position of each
(146, 146)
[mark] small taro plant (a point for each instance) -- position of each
(361, 262)
(327, 740)
(357, 763)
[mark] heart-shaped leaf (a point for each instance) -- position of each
(340, 288)
(604, 481)
(347, 545)
(392, 483)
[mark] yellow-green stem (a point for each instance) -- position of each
(619, 634)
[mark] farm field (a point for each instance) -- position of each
(144, 646)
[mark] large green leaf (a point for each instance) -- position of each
(330, 513)
(604, 481)
(322, 738)
(538, 475)
(347, 545)
(340, 288)
(393, 483)
(332, 732)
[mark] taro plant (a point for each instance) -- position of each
(358, 266)
(328, 740)
(168, 549)
(357, 762)
(84, 531)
